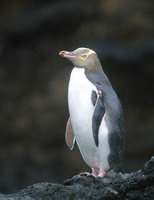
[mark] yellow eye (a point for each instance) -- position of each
(84, 56)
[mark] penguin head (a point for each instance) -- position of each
(81, 57)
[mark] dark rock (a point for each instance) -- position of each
(137, 185)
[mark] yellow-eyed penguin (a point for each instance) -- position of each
(96, 120)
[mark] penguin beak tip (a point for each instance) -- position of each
(61, 53)
(67, 54)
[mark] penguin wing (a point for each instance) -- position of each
(99, 111)
(69, 135)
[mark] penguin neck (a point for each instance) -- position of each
(94, 66)
(90, 69)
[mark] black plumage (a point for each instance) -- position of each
(99, 111)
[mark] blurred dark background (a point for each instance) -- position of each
(34, 79)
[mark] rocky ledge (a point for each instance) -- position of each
(136, 185)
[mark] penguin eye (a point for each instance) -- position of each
(84, 56)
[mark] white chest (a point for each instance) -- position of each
(81, 111)
(79, 97)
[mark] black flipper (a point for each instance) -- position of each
(98, 114)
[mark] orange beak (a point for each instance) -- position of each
(67, 54)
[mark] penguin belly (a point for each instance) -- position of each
(81, 111)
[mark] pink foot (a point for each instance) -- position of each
(94, 172)
(101, 173)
